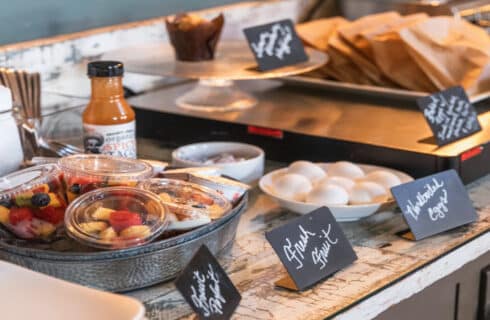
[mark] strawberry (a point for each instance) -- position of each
(120, 220)
(51, 214)
(20, 214)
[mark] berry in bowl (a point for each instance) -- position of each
(32, 202)
(116, 218)
(189, 205)
(87, 172)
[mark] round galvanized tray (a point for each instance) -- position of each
(127, 269)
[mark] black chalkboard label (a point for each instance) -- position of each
(434, 204)
(206, 287)
(275, 45)
(450, 115)
(311, 247)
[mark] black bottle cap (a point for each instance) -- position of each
(105, 69)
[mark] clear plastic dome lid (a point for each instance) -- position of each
(188, 201)
(28, 179)
(116, 217)
(105, 166)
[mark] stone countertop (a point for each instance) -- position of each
(388, 270)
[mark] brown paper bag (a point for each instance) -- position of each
(317, 33)
(392, 58)
(353, 32)
(451, 52)
(339, 49)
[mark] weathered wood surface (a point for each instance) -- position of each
(384, 258)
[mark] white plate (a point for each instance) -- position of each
(341, 213)
(25, 294)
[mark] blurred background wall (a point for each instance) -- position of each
(22, 20)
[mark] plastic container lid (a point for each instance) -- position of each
(27, 179)
(188, 201)
(105, 167)
(116, 217)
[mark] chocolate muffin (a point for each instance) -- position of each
(194, 38)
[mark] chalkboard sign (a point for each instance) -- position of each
(275, 45)
(434, 204)
(311, 247)
(206, 287)
(450, 115)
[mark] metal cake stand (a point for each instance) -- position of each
(216, 89)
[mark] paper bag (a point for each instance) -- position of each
(451, 52)
(352, 33)
(391, 56)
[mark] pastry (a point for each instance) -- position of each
(194, 38)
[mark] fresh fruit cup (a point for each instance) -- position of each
(187, 202)
(87, 172)
(115, 218)
(32, 202)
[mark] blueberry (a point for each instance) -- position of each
(40, 199)
(6, 203)
(75, 188)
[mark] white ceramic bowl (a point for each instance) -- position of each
(248, 170)
(341, 213)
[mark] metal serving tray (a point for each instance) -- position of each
(373, 91)
(126, 269)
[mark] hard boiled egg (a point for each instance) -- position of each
(384, 178)
(345, 183)
(345, 169)
(308, 169)
(367, 192)
(292, 186)
(326, 194)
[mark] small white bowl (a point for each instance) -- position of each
(247, 171)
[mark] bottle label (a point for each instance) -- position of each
(116, 140)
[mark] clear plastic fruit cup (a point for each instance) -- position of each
(189, 204)
(87, 172)
(116, 218)
(32, 202)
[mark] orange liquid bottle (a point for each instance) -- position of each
(109, 124)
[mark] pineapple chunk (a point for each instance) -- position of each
(108, 234)
(4, 214)
(54, 200)
(102, 213)
(45, 229)
(93, 227)
(136, 232)
(165, 197)
(215, 211)
(71, 196)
